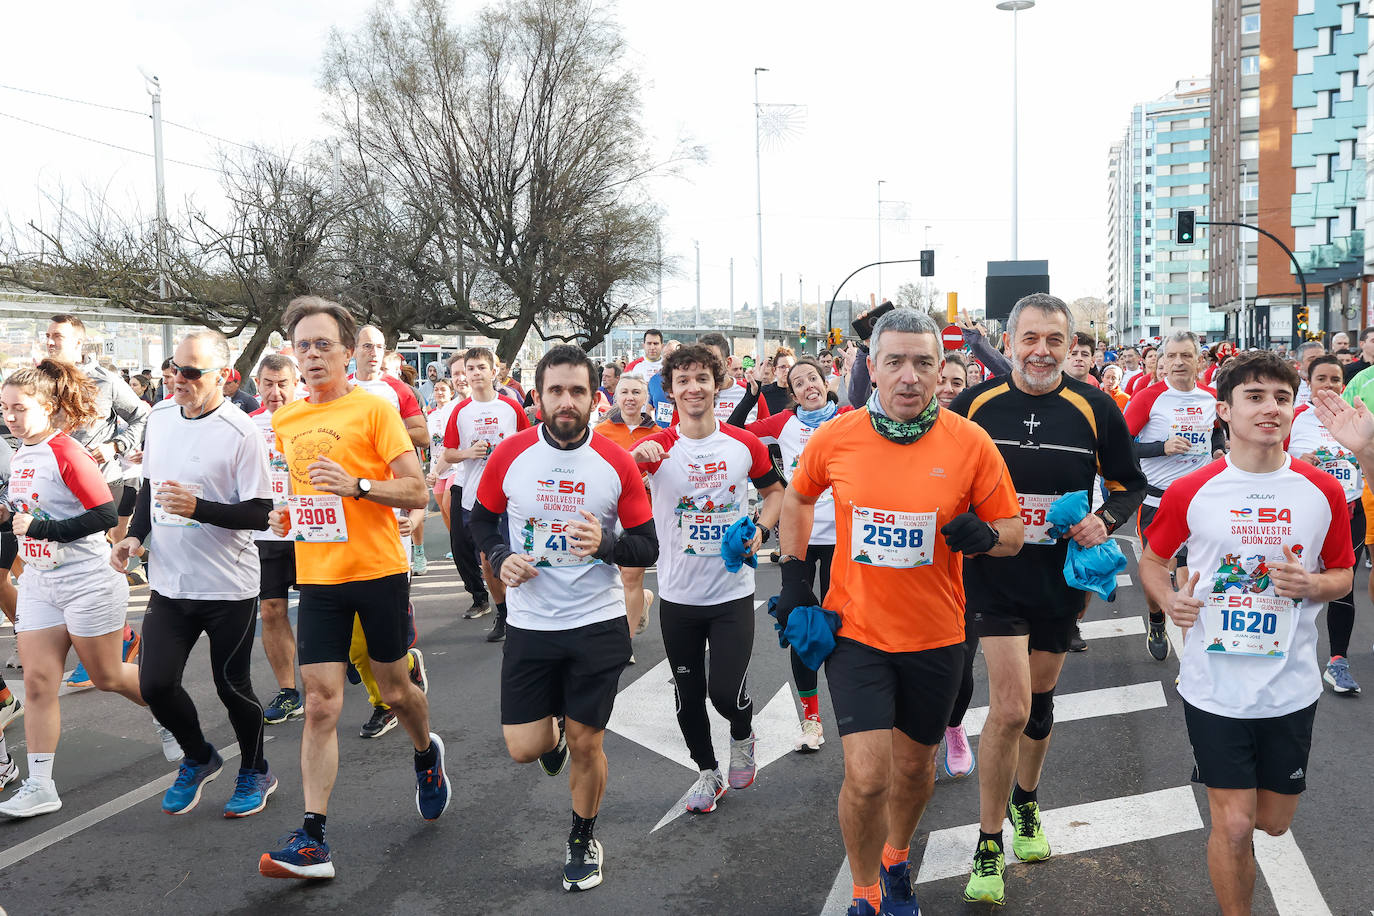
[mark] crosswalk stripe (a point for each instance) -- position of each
(1290, 880)
(1089, 704)
(1104, 629)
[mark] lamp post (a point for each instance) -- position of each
(880, 240)
(758, 188)
(1015, 6)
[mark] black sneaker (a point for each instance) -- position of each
(498, 630)
(555, 760)
(383, 720)
(582, 868)
(1076, 642)
(1157, 641)
(481, 607)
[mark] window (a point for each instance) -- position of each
(1347, 90)
(1249, 149)
(1347, 18)
(1249, 190)
(1149, 277)
(1147, 205)
(1250, 23)
(1149, 170)
(1147, 224)
(1147, 259)
(1149, 151)
(1249, 106)
(1249, 65)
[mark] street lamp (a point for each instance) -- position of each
(880, 240)
(1015, 6)
(758, 190)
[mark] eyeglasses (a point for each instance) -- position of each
(372, 348)
(191, 373)
(319, 346)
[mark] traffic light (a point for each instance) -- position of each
(835, 338)
(927, 262)
(1301, 319)
(1183, 228)
(802, 340)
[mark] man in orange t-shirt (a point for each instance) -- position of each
(943, 491)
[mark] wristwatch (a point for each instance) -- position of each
(787, 557)
(996, 535)
(364, 488)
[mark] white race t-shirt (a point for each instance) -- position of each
(57, 479)
(644, 369)
(437, 421)
(279, 476)
(222, 456)
(699, 489)
(1252, 654)
(541, 488)
(1309, 435)
(490, 421)
(1160, 412)
(791, 435)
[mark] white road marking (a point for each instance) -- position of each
(1116, 626)
(1290, 880)
(1123, 580)
(1089, 704)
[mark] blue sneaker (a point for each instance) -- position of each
(1337, 674)
(79, 677)
(431, 785)
(287, 704)
(898, 897)
(861, 908)
(191, 778)
(301, 857)
(251, 791)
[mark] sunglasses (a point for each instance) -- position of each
(191, 373)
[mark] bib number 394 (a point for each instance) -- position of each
(318, 519)
(900, 540)
(1255, 625)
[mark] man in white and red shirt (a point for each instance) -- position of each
(563, 489)
(1174, 425)
(699, 475)
(728, 398)
(651, 363)
(1269, 539)
(477, 424)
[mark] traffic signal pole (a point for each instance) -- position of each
(1302, 278)
(830, 312)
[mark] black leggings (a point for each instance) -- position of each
(1340, 614)
(465, 551)
(965, 694)
(729, 630)
(818, 558)
(170, 630)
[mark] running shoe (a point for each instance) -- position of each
(582, 867)
(710, 786)
(986, 884)
(78, 677)
(498, 631)
(419, 563)
(811, 738)
(481, 607)
(13, 708)
(301, 857)
(170, 748)
(861, 908)
(417, 670)
(35, 796)
(13, 661)
(131, 646)
(285, 705)
(383, 720)
(1027, 836)
(9, 772)
(1076, 641)
(1337, 674)
(1157, 641)
(432, 793)
(184, 794)
(959, 760)
(354, 677)
(251, 791)
(553, 762)
(742, 765)
(898, 897)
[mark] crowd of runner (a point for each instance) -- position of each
(1239, 471)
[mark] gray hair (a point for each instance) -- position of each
(276, 362)
(1181, 337)
(1310, 345)
(219, 345)
(903, 321)
(1041, 302)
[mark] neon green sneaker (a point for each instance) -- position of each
(1028, 838)
(985, 884)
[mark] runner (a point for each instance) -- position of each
(277, 381)
(351, 464)
(1055, 434)
(651, 363)
(1313, 443)
(207, 490)
(477, 424)
(1080, 362)
(60, 507)
(1174, 424)
(733, 392)
(698, 474)
(953, 378)
(1148, 375)
(1270, 541)
(897, 588)
(564, 488)
(441, 473)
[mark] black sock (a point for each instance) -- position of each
(314, 826)
(990, 837)
(427, 758)
(581, 829)
(501, 612)
(1157, 617)
(1020, 796)
(204, 755)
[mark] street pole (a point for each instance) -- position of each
(782, 306)
(155, 90)
(732, 292)
(658, 241)
(758, 190)
(1015, 6)
(880, 240)
(697, 245)
(1243, 331)
(801, 307)
(1302, 277)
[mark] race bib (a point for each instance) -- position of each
(280, 481)
(702, 532)
(663, 413)
(1256, 625)
(548, 541)
(318, 519)
(40, 554)
(1199, 434)
(1034, 508)
(162, 517)
(899, 540)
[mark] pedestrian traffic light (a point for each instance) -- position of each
(802, 339)
(1183, 227)
(927, 262)
(1301, 319)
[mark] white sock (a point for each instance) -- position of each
(40, 766)
(4, 750)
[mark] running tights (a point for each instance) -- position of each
(728, 629)
(818, 557)
(170, 630)
(1340, 614)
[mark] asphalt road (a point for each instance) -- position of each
(1127, 827)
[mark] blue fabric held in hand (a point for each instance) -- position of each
(1092, 569)
(735, 542)
(810, 630)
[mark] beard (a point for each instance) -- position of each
(1036, 385)
(569, 426)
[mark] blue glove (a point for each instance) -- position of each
(738, 538)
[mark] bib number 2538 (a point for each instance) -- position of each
(901, 540)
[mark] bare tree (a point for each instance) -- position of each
(1091, 315)
(925, 297)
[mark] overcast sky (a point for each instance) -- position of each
(916, 94)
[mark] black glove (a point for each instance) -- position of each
(796, 590)
(969, 534)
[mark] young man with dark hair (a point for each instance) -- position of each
(651, 363)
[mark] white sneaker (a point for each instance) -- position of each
(35, 796)
(170, 749)
(11, 711)
(743, 767)
(811, 738)
(710, 786)
(9, 772)
(13, 661)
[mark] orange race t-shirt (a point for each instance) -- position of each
(900, 496)
(364, 434)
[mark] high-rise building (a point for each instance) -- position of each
(1159, 167)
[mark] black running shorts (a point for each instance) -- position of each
(1142, 524)
(324, 622)
(910, 691)
(1047, 634)
(1251, 753)
(574, 673)
(277, 563)
(9, 549)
